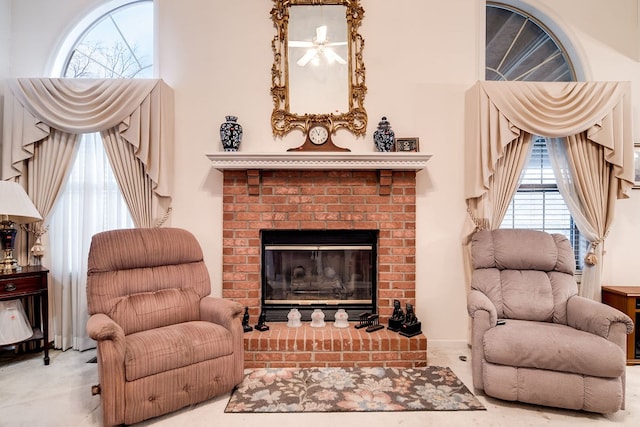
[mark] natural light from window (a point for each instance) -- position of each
(114, 41)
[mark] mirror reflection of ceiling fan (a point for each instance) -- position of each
(320, 46)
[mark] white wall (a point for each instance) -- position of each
(5, 50)
(420, 59)
(5, 38)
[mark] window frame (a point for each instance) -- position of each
(85, 24)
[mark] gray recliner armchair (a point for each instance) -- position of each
(534, 339)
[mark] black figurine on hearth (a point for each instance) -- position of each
(245, 321)
(397, 317)
(411, 326)
(262, 319)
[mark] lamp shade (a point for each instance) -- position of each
(15, 205)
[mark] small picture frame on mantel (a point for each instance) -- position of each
(636, 165)
(407, 145)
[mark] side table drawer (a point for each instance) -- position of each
(19, 286)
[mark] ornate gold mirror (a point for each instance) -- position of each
(318, 75)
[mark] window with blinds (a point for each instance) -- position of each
(538, 204)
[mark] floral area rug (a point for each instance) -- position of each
(433, 388)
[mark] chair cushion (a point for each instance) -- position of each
(519, 249)
(542, 345)
(171, 347)
(147, 310)
(145, 278)
(527, 274)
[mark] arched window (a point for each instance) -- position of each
(113, 41)
(519, 47)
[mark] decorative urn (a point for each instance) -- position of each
(231, 134)
(384, 136)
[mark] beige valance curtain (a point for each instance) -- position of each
(500, 113)
(43, 119)
(140, 110)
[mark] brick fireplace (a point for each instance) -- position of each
(322, 192)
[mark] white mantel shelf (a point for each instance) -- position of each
(319, 160)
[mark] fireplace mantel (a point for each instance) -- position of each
(384, 163)
(319, 160)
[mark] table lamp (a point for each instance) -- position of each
(15, 208)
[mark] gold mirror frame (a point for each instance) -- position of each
(283, 120)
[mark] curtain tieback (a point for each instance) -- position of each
(164, 218)
(591, 258)
(480, 223)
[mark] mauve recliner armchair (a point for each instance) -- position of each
(551, 347)
(162, 342)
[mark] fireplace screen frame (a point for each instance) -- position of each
(276, 309)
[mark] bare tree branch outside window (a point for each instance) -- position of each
(100, 61)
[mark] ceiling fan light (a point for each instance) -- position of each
(319, 49)
(329, 55)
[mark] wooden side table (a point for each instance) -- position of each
(31, 281)
(627, 300)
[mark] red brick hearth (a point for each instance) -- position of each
(323, 200)
(330, 346)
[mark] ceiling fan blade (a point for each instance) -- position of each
(336, 44)
(307, 57)
(297, 43)
(321, 34)
(332, 56)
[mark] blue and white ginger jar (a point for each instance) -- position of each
(231, 133)
(384, 137)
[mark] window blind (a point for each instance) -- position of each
(538, 204)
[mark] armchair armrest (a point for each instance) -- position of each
(484, 317)
(101, 327)
(594, 317)
(111, 372)
(109, 335)
(229, 314)
(221, 311)
(477, 301)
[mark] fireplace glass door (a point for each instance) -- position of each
(327, 270)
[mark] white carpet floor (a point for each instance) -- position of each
(32, 394)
